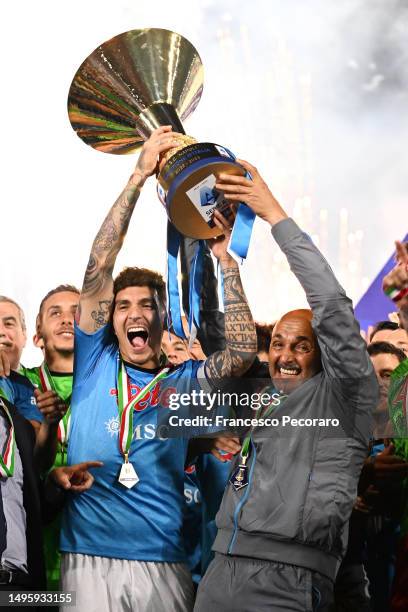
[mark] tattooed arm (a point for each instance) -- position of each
(97, 289)
(240, 333)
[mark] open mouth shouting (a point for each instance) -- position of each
(138, 337)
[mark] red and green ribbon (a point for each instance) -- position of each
(127, 403)
(7, 460)
(396, 294)
(47, 384)
(260, 414)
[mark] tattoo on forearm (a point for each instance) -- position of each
(107, 236)
(101, 316)
(105, 249)
(240, 333)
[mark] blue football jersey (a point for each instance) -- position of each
(20, 392)
(144, 522)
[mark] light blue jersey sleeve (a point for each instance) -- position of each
(20, 392)
(6, 389)
(89, 349)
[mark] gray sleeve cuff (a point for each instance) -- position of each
(284, 231)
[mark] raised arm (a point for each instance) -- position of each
(343, 351)
(240, 333)
(97, 289)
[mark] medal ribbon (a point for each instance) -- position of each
(7, 460)
(247, 440)
(126, 404)
(47, 384)
(396, 294)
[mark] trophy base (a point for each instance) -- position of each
(186, 187)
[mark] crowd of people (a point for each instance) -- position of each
(299, 504)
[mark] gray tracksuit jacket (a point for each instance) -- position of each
(303, 480)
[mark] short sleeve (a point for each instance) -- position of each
(23, 397)
(89, 349)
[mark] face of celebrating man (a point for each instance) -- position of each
(294, 354)
(175, 348)
(12, 335)
(138, 325)
(55, 326)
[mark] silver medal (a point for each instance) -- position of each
(128, 477)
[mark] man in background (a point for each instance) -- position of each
(389, 331)
(395, 285)
(53, 379)
(17, 388)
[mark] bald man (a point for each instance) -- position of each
(282, 525)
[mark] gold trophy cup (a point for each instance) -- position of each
(133, 84)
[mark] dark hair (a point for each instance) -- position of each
(141, 277)
(378, 348)
(59, 289)
(384, 325)
(263, 336)
(4, 298)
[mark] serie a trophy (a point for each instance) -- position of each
(133, 84)
(128, 87)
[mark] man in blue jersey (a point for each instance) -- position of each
(121, 540)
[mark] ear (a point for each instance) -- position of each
(38, 341)
(38, 333)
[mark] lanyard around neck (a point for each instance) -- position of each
(47, 384)
(127, 403)
(7, 460)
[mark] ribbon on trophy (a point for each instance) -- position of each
(173, 294)
(239, 244)
(242, 229)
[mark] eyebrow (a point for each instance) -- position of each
(59, 307)
(10, 318)
(297, 339)
(142, 301)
